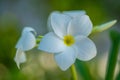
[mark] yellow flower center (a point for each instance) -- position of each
(69, 40)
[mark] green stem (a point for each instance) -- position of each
(83, 70)
(112, 60)
(38, 39)
(74, 72)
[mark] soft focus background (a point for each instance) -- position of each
(16, 14)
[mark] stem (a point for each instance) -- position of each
(84, 70)
(74, 73)
(112, 60)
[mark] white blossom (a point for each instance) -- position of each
(68, 38)
(26, 42)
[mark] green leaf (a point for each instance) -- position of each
(83, 70)
(112, 58)
(103, 27)
(118, 76)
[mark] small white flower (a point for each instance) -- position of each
(26, 42)
(68, 39)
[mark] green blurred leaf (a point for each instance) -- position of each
(83, 70)
(118, 76)
(112, 58)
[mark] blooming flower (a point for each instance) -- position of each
(68, 38)
(26, 42)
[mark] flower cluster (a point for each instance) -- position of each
(67, 39)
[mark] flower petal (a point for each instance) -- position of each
(27, 40)
(51, 43)
(86, 49)
(74, 14)
(80, 26)
(28, 29)
(66, 58)
(20, 57)
(59, 23)
(49, 21)
(49, 24)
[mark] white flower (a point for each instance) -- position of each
(68, 39)
(26, 42)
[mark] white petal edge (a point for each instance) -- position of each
(49, 24)
(28, 29)
(75, 13)
(59, 23)
(50, 29)
(20, 57)
(51, 43)
(86, 49)
(27, 41)
(66, 58)
(80, 26)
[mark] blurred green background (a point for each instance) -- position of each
(16, 14)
